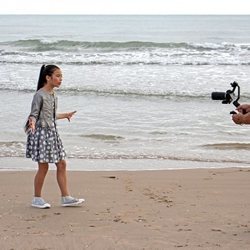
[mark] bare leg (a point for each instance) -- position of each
(62, 177)
(39, 178)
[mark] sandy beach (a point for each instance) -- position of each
(172, 209)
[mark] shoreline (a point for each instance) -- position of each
(190, 209)
(24, 164)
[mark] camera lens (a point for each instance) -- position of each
(218, 95)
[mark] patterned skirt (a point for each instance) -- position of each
(45, 146)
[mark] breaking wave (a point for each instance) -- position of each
(17, 149)
(68, 45)
(119, 92)
(33, 51)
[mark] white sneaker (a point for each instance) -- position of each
(68, 201)
(39, 202)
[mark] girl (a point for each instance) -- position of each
(43, 143)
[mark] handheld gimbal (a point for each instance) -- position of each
(228, 96)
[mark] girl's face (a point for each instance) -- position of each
(55, 79)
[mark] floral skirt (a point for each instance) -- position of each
(45, 146)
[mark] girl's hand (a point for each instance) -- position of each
(32, 125)
(69, 115)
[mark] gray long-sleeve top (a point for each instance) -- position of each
(43, 108)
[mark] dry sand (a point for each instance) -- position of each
(173, 209)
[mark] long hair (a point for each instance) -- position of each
(46, 70)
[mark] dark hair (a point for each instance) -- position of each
(46, 70)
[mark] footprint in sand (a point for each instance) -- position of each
(158, 197)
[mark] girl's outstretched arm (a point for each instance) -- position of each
(65, 115)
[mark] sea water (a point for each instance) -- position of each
(141, 86)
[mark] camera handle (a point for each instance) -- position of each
(235, 103)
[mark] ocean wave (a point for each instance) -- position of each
(17, 149)
(103, 137)
(70, 45)
(77, 91)
(228, 146)
(12, 149)
(106, 156)
(119, 92)
(43, 45)
(123, 53)
(128, 63)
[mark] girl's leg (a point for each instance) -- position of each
(62, 177)
(39, 178)
(67, 200)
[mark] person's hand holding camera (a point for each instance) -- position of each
(243, 115)
(238, 118)
(243, 108)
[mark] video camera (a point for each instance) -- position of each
(228, 96)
